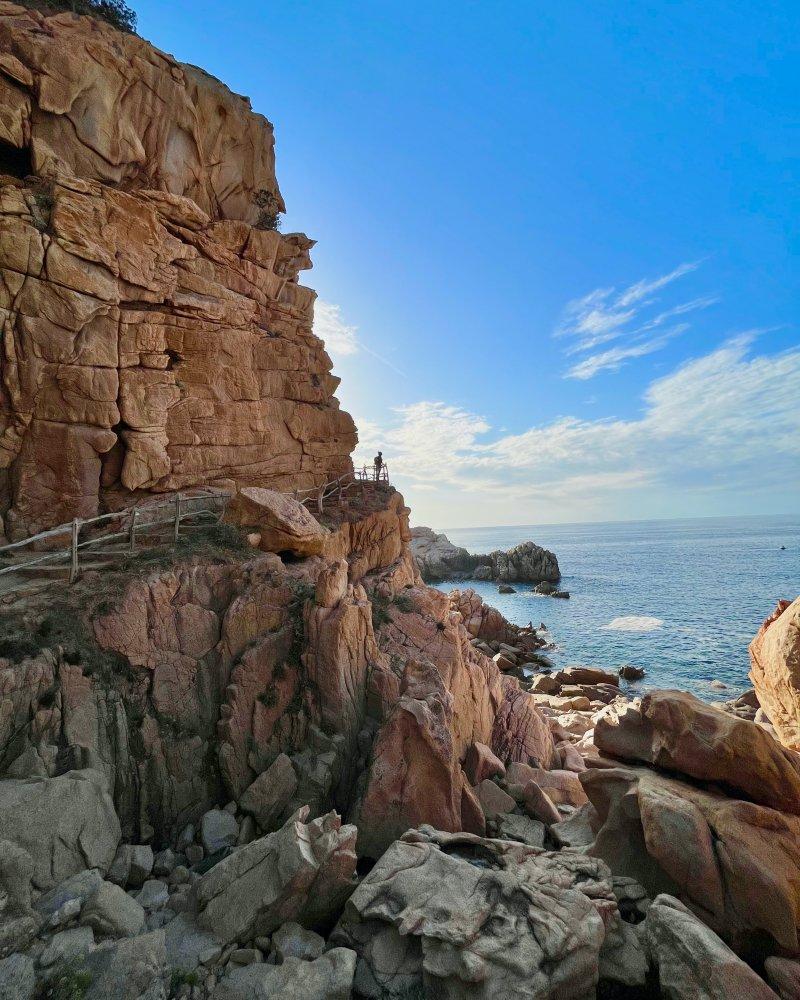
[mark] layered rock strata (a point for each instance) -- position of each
(154, 338)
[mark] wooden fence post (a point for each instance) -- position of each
(73, 569)
(177, 515)
(132, 538)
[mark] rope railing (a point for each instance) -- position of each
(184, 506)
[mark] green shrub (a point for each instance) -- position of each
(403, 603)
(268, 212)
(70, 984)
(116, 12)
(182, 977)
(380, 611)
(269, 698)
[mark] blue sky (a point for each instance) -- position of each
(557, 249)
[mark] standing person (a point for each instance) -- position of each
(378, 465)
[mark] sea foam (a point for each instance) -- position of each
(634, 623)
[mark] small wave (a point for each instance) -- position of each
(634, 623)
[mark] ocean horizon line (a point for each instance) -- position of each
(642, 520)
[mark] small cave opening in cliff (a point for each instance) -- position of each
(15, 160)
(173, 358)
(287, 557)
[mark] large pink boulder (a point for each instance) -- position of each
(677, 732)
(284, 524)
(775, 670)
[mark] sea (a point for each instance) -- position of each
(680, 598)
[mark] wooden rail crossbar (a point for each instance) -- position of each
(183, 506)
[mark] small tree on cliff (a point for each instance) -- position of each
(116, 12)
(268, 212)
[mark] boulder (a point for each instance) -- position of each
(19, 922)
(538, 803)
(132, 865)
(284, 524)
(111, 912)
(291, 940)
(74, 890)
(693, 963)
(783, 974)
(68, 947)
(494, 801)
(512, 826)
(585, 675)
(126, 969)
(775, 671)
(414, 776)
(520, 731)
(734, 863)
(17, 978)
(628, 672)
(66, 824)
(481, 763)
(562, 787)
(677, 732)
(302, 872)
(577, 830)
(153, 895)
(329, 977)
(270, 793)
(218, 830)
(467, 916)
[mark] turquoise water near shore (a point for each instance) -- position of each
(680, 598)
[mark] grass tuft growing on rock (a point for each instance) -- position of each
(72, 983)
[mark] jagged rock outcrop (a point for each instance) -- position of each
(153, 339)
(428, 917)
(303, 872)
(734, 863)
(775, 671)
(65, 823)
(677, 732)
(438, 559)
(691, 959)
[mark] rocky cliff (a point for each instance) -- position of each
(155, 337)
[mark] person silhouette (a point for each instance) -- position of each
(378, 465)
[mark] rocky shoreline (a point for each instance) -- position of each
(438, 560)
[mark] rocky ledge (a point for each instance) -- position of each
(438, 559)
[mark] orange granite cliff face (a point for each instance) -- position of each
(154, 336)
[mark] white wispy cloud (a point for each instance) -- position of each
(613, 358)
(625, 318)
(341, 339)
(726, 421)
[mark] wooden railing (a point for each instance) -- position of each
(133, 521)
(177, 507)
